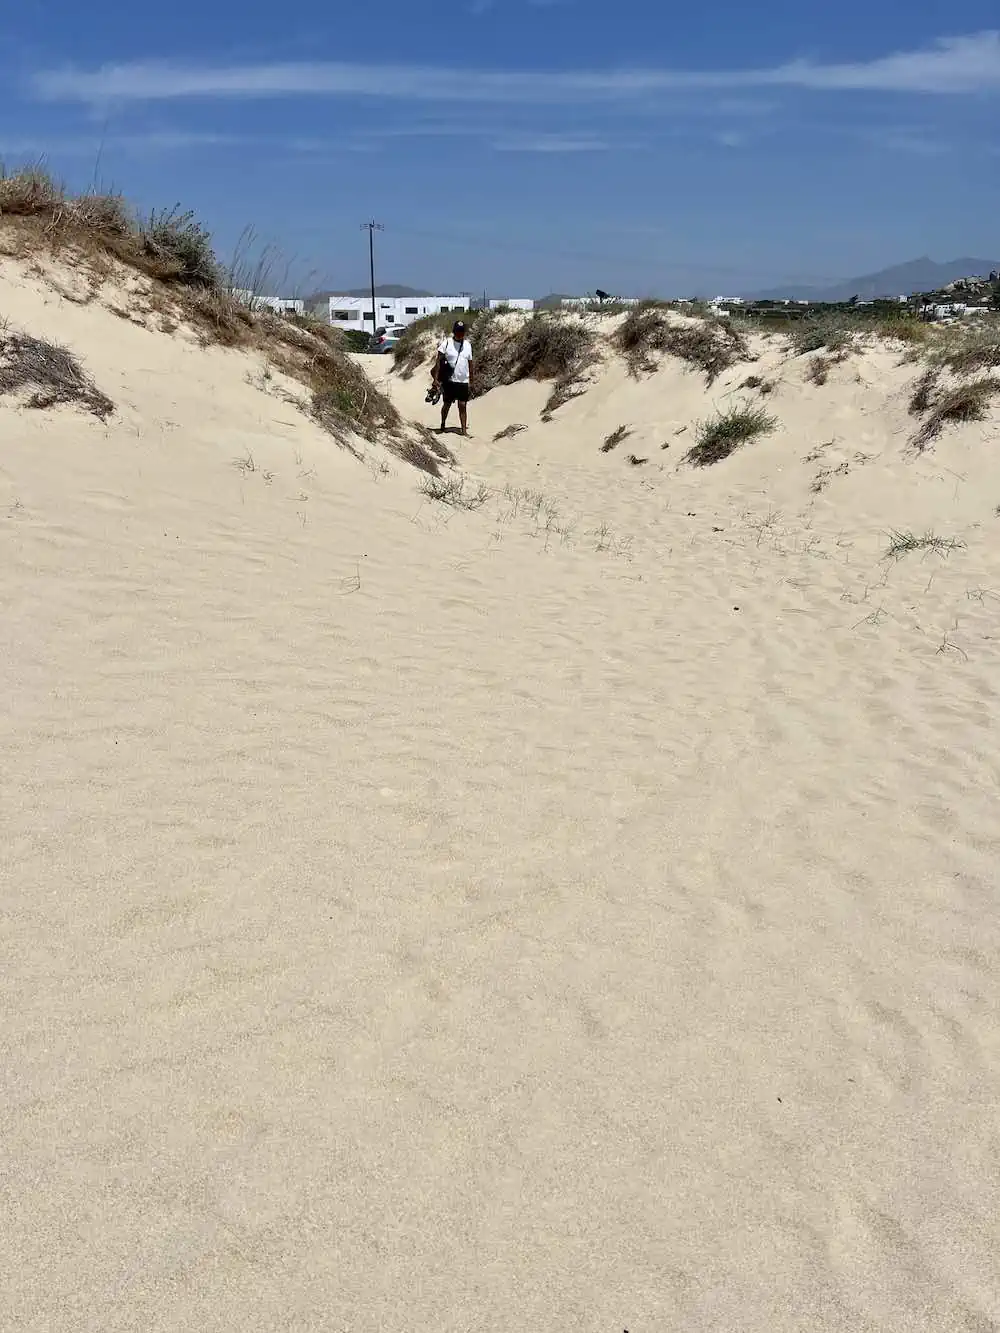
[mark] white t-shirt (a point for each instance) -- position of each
(459, 357)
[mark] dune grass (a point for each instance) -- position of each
(924, 393)
(456, 491)
(721, 436)
(825, 333)
(413, 351)
(94, 232)
(966, 401)
(508, 432)
(546, 345)
(613, 440)
(49, 375)
(905, 543)
(649, 331)
(967, 349)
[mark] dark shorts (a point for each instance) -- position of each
(454, 393)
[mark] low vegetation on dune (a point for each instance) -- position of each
(99, 236)
(613, 440)
(839, 333)
(508, 348)
(822, 334)
(650, 331)
(414, 349)
(47, 375)
(721, 436)
(546, 346)
(968, 400)
(905, 543)
(967, 349)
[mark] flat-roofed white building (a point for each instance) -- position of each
(391, 312)
(575, 302)
(512, 303)
(281, 305)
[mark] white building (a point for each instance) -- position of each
(281, 305)
(391, 312)
(512, 303)
(574, 302)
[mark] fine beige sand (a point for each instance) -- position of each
(581, 912)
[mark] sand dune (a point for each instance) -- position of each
(579, 912)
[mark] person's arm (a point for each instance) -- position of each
(436, 368)
(470, 368)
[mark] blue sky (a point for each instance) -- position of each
(524, 146)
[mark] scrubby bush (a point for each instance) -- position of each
(49, 374)
(712, 345)
(413, 350)
(183, 244)
(968, 348)
(724, 434)
(967, 401)
(187, 283)
(829, 333)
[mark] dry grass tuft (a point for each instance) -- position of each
(968, 348)
(510, 431)
(413, 350)
(456, 491)
(543, 346)
(188, 285)
(613, 440)
(967, 401)
(818, 371)
(421, 449)
(50, 374)
(904, 543)
(823, 333)
(906, 329)
(727, 432)
(924, 393)
(648, 331)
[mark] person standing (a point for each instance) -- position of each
(452, 374)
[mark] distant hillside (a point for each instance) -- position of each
(551, 302)
(387, 289)
(919, 275)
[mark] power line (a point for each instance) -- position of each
(557, 250)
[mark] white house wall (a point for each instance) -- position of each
(349, 312)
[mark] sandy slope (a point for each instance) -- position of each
(578, 915)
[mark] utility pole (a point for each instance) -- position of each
(371, 228)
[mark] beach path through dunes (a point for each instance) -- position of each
(418, 919)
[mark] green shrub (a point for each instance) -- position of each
(968, 348)
(183, 244)
(712, 345)
(823, 333)
(724, 434)
(412, 351)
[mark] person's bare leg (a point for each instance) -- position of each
(445, 409)
(463, 416)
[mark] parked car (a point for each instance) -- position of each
(385, 342)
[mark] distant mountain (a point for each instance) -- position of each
(919, 275)
(387, 289)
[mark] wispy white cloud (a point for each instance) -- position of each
(914, 141)
(953, 65)
(153, 141)
(551, 143)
